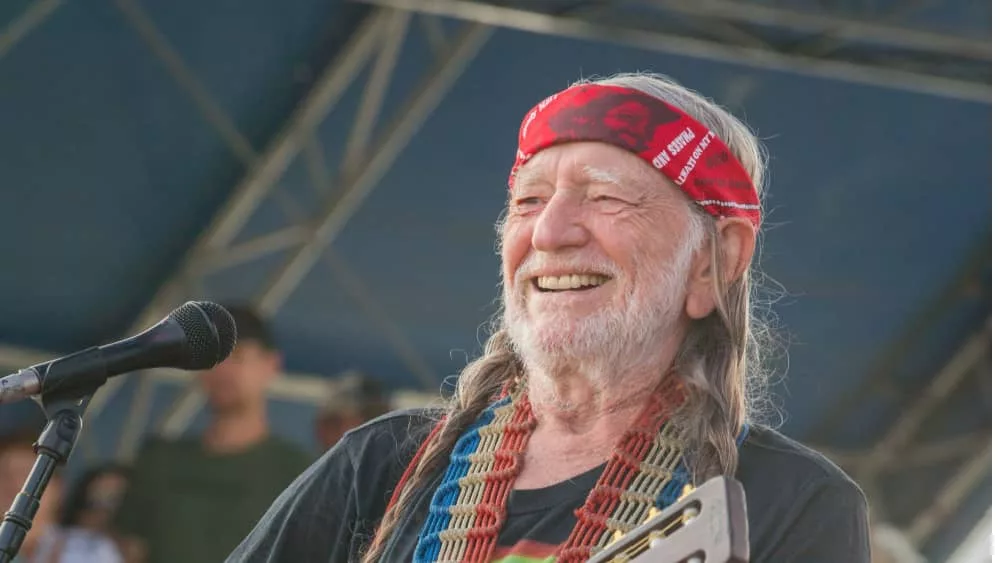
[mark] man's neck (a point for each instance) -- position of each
(576, 404)
(580, 420)
(235, 431)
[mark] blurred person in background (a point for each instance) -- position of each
(891, 545)
(47, 541)
(192, 500)
(91, 503)
(351, 401)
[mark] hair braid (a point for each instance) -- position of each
(479, 384)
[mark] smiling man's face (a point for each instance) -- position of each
(596, 250)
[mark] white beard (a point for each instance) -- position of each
(612, 339)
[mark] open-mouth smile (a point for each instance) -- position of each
(569, 282)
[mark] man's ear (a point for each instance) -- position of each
(737, 239)
(734, 242)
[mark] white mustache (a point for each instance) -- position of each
(537, 263)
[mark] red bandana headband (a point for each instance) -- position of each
(684, 150)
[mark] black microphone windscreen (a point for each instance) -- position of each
(209, 330)
(225, 327)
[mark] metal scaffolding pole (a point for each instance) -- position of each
(439, 79)
(248, 194)
(834, 27)
(940, 388)
(914, 330)
(33, 16)
(915, 455)
(345, 203)
(373, 95)
(263, 172)
(950, 497)
(884, 76)
(978, 545)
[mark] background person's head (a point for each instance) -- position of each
(351, 401)
(17, 456)
(239, 384)
(94, 498)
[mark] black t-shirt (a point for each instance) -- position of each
(538, 520)
(194, 506)
(800, 506)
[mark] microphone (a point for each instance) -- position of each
(195, 336)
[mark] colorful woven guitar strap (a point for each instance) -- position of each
(468, 509)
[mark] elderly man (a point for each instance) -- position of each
(625, 365)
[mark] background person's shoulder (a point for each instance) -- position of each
(402, 428)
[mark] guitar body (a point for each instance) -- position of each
(708, 525)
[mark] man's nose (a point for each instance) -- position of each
(560, 224)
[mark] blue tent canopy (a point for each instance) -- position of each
(342, 164)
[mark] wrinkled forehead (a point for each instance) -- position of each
(589, 163)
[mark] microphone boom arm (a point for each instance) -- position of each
(195, 336)
(64, 404)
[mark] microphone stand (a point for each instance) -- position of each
(64, 408)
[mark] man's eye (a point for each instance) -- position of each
(527, 201)
(610, 198)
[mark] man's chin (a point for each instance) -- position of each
(558, 339)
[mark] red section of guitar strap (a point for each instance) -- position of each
(491, 512)
(621, 470)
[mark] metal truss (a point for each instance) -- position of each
(978, 546)
(879, 379)
(368, 157)
(899, 449)
(33, 16)
(815, 42)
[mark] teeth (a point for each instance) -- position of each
(574, 281)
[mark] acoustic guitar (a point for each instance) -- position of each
(706, 525)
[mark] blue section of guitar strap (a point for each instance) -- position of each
(672, 490)
(744, 432)
(439, 515)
